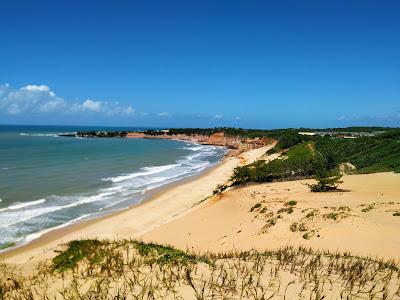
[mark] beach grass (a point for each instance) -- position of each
(131, 269)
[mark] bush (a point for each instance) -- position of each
(327, 179)
(219, 189)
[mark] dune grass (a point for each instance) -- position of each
(129, 269)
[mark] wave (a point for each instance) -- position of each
(25, 215)
(36, 235)
(23, 205)
(145, 171)
(55, 135)
(118, 192)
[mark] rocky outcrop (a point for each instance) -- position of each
(218, 139)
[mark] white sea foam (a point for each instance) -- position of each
(55, 135)
(20, 205)
(144, 172)
(122, 191)
(15, 217)
(34, 236)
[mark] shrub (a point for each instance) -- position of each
(327, 179)
(220, 188)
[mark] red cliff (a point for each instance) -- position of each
(218, 139)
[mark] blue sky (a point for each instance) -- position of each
(264, 64)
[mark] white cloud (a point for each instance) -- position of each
(129, 110)
(218, 116)
(4, 89)
(341, 118)
(163, 114)
(30, 98)
(41, 99)
(37, 88)
(92, 105)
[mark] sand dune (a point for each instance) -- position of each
(358, 219)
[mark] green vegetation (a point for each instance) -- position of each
(219, 189)
(255, 207)
(292, 202)
(297, 163)
(95, 251)
(134, 270)
(102, 134)
(375, 149)
(77, 251)
(319, 157)
(369, 154)
(165, 254)
(328, 178)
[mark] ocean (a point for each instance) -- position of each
(48, 182)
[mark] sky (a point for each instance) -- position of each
(251, 64)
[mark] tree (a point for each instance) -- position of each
(327, 179)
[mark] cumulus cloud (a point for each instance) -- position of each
(41, 99)
(92, 105)
(37, 88)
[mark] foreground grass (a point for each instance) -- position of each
(128, 269)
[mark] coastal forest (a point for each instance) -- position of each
(303, 156)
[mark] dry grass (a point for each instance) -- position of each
(128, 269)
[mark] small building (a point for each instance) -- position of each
(306, 133)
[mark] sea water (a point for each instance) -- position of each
(48, 181)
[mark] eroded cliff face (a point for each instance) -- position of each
(218, 139)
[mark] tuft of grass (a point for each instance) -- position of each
(292, 202)
(135, 270)
(270, 223)
(77, 251)
(293, 227)
(396, 214)
(219, 189)
(166, 254)
(368, 208)
(255, 207)
(308, 235)
(312, 213)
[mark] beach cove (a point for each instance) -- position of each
(162, 208)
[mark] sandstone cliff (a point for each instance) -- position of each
(218, 139)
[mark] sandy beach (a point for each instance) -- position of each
(358, 218)
(361, 219)
(163, 208)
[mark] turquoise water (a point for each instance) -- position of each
(47, 181)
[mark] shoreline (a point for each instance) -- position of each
(152, 194)
(105, 226)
